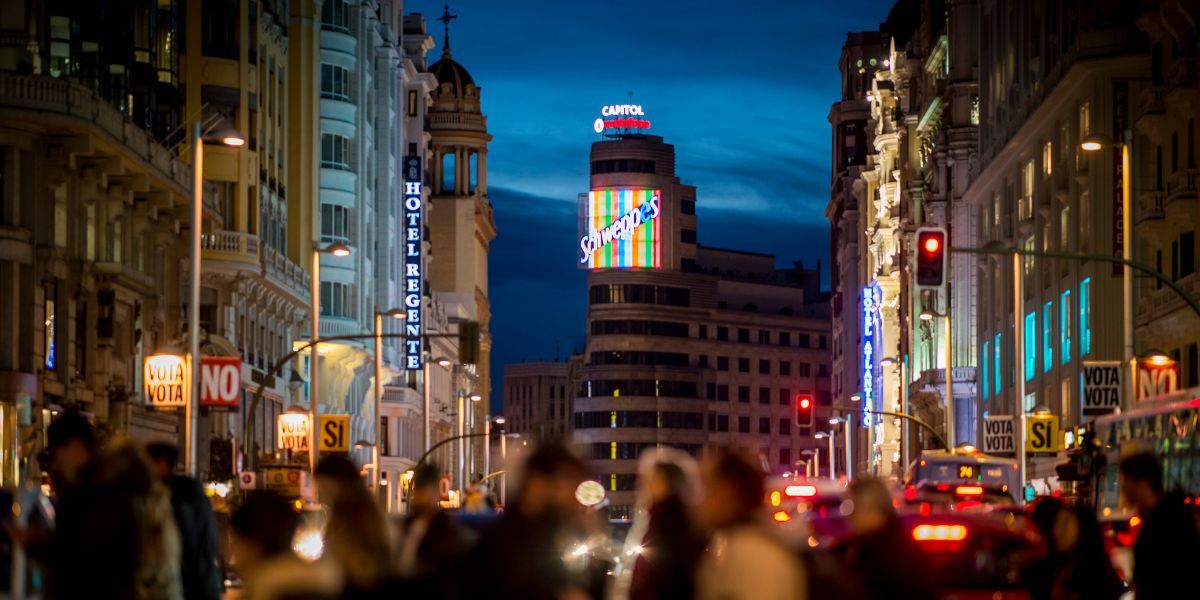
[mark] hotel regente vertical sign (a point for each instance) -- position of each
(414, 266)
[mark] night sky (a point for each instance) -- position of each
(743, 94)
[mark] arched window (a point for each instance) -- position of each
(449, 163)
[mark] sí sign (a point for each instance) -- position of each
(165, 379)
(414, 267)
(621, 116)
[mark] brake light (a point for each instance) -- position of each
(939, 533)
(910, 493)
(943, 487)
(802, 491)
(781, 516)
(969, 490)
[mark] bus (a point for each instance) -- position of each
(944, 470)
(1168, 426)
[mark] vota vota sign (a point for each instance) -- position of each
(414, 268)
(621, 229)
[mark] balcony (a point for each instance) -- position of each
(1183, 82)
(230, 246)
(286, 273)
(458, 121)
(1150, 206)
(1151, 110)
(1182, 186)
(236, 252)
(1159, 304)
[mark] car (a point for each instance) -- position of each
(962, 497)
(809, 507)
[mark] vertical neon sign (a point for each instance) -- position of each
(868, 349)
(413, 266)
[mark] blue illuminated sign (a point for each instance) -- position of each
(414, 268)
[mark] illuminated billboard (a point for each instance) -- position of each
(620, 229)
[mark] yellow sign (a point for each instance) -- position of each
(293, 432)
(335, 433)
(165, 378)
(1041, 434)
(287, 481)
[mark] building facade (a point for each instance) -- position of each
(689, 347)
(538, 399)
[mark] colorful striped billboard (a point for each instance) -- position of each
(620, 229)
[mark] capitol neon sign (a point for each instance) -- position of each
(620, 229)
(626, 116)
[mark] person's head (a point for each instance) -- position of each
(1044, 517)
(336, 476)
(551, 475)
(425, 490)
(71, 443)
(1141, 480)
(733, 490)
(263, 527)
(163, 456)
(873, 507)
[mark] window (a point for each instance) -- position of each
(764, 395)
(996, 212)
(1085, 317)
(822, 370)
(703, 364)
(1025, 202)
(631, 293)
(744, 424)
(51, 323)
(687, 236)
(723, 393)
(1027, 261)
(743, 365)
(785, 397)
(711, 391)
(687, 207)
(722, 422)
(785, 338)
(764, 336)
(639, 327)
(785, 427)
(335, 151)
(805, 370)
(1047, 339)
(744, 335)
(219, 29)
(722, 363)
(983, 383)
(805, 341)
(722, 334)
(998, 378)
(785, 456)
(335, 16)
(764, 425)
(764, 366)
(785, 367)
(335, 224)
(336, 300)
(1064, 327)
(1085, 120)
(822, 342)
(1187, 253)
(1064, 227)
(1047, 158)
(1030, 344)
(704, 332)
(335, 82)
(743, 393)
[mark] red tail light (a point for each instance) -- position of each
(939, 533)
(910, 493)
(800, 491)
(968, 490)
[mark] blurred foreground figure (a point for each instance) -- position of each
(745, 560)
(263, 529)
(1076, 564)
(1168, 546)
(201, 567)
(356, 535)
(114, 535)
(666, 557)
(525, 554)
(431, 541)
(881, 556)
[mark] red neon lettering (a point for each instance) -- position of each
(627, 123)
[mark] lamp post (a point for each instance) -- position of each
(1094, 144)
(904, 433)
(340, 250)
(231, 138)
(928, 315)
(379, 315)
(426, 434)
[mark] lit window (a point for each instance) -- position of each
(1085, 120)
(985, 362)
(1030, 345)
(1025, 206)
(998, 380)
(1064, 327)
(1047, 340)
(1085, 317)
(1047, 158)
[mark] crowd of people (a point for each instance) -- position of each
(124, 524)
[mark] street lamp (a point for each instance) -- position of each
(443, 362)
(904, 432)
(1158, 358)
(229, 137)
(395, 313)
(339, 250)
(1095, 143)
(832, 435)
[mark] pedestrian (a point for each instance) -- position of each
(431, 542)
(263, 529)
(201, 562)
(356, 535)
(1168, 543)
(525, 554)
(880, 555)
(114, 535)
(745, 558)
(669, 547)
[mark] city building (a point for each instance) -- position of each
(93, 205)
(538, 399)
(688, 346)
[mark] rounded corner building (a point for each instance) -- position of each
(688, 346)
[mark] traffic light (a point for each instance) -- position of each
(931, 256)
(468, 342)
(805, 406)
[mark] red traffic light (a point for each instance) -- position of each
(931, 256)
(804, 410)
(931, 244)
(805, 403)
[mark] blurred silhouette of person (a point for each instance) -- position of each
(1076, 564)
(880, 555)
(431, 542)
(264, 528)
(666, 555)
(745, 559)
(201, 563)
(357, 533)
(1168, 544)
(525, 554)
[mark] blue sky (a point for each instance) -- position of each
(742, 89)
